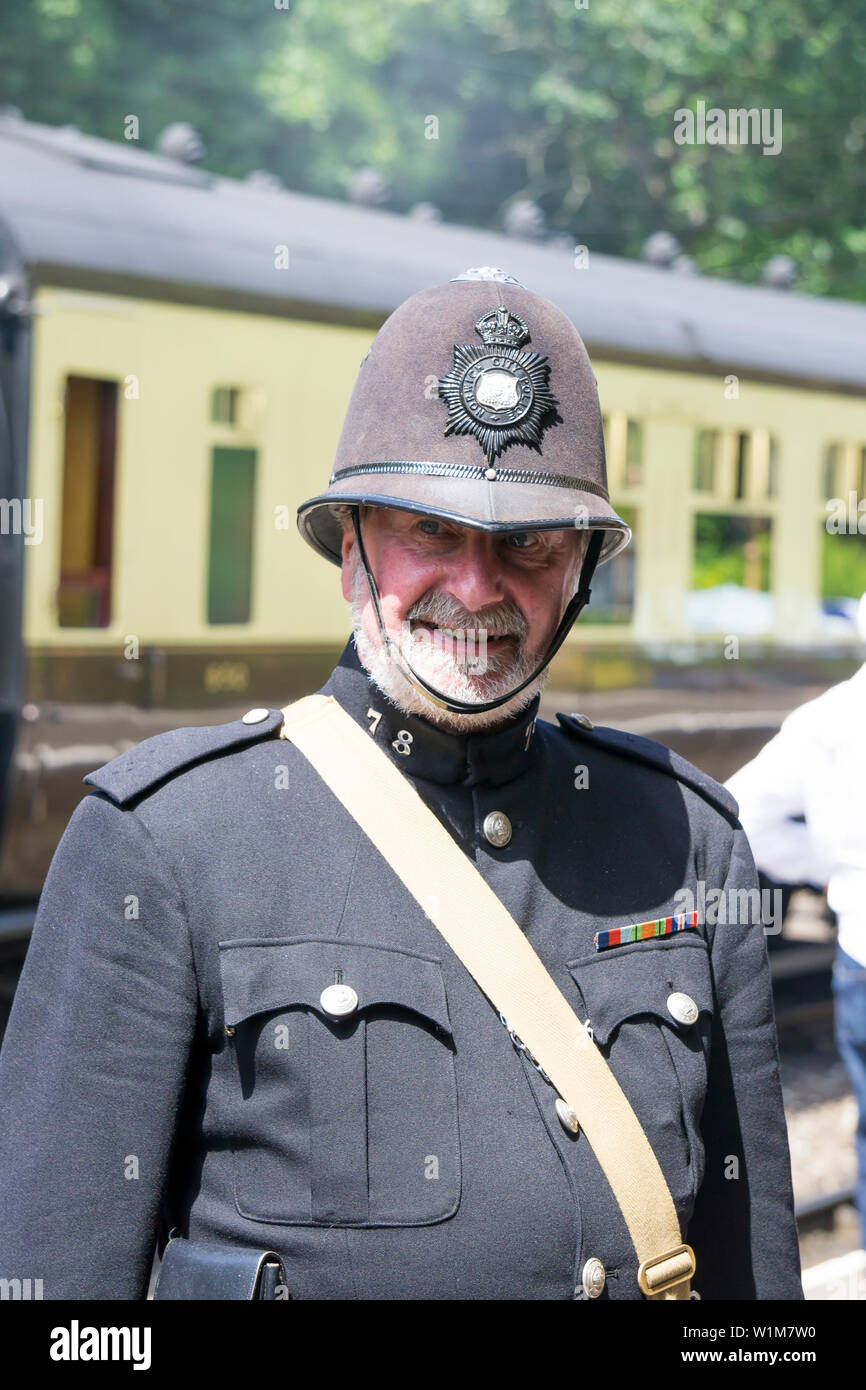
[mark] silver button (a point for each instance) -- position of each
(583, 720)
(255, 716)
(593, 1278)
(338, 1001)
(497, 828)
(683, 1007)
(567, 1117)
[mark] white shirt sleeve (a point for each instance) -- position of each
(770, 791)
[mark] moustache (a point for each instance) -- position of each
(444, 611)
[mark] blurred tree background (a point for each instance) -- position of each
(570, 108)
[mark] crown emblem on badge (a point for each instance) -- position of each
(497, 392)
(501, 326)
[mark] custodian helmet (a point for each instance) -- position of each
(477, 404)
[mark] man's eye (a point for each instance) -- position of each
(522, 540)
(429, 527)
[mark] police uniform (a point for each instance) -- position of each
(235, 1019)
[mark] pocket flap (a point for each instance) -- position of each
(265, 973)
(640, 979)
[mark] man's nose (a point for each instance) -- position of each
(475, 576)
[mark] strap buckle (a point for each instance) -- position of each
(664, 1272)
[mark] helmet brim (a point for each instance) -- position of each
(496, 507)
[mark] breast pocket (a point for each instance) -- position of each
(650, 1007)
(348, 1119)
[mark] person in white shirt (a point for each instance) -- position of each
(815, 768)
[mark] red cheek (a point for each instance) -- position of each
(403, 578)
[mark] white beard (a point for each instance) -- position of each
(437, 665)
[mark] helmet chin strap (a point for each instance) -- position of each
(447, 702)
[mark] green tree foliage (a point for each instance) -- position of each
(731, 549)
(573, 108)
(843, 564)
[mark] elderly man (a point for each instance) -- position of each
(394, 989)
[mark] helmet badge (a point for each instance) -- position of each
(497, 392)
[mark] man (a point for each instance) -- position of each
(803, 806)
(236, 1019)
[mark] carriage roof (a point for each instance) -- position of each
(90, 213)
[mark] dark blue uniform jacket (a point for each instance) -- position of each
(410, 1151)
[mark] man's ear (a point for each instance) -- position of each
(347, 558)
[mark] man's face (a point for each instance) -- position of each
(474, 613)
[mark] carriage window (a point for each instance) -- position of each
(230, 562)
(737, 466)
(706, 449)
(843, 575)
(87, 517)
(224, 405)
(732, 549)
(831, 470)
(731, 575)
(633, 454)
(623, 445)
(844, 471)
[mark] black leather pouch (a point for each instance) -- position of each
(192, 1269)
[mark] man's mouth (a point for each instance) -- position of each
(475, 635)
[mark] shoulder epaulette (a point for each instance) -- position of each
(652, 754)
(154, 759)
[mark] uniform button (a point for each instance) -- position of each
(593, 1277)
(683, 1007)
(583, 720)
(567, 1117)
(338, 1001)
(255, 716)
(497, 829)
